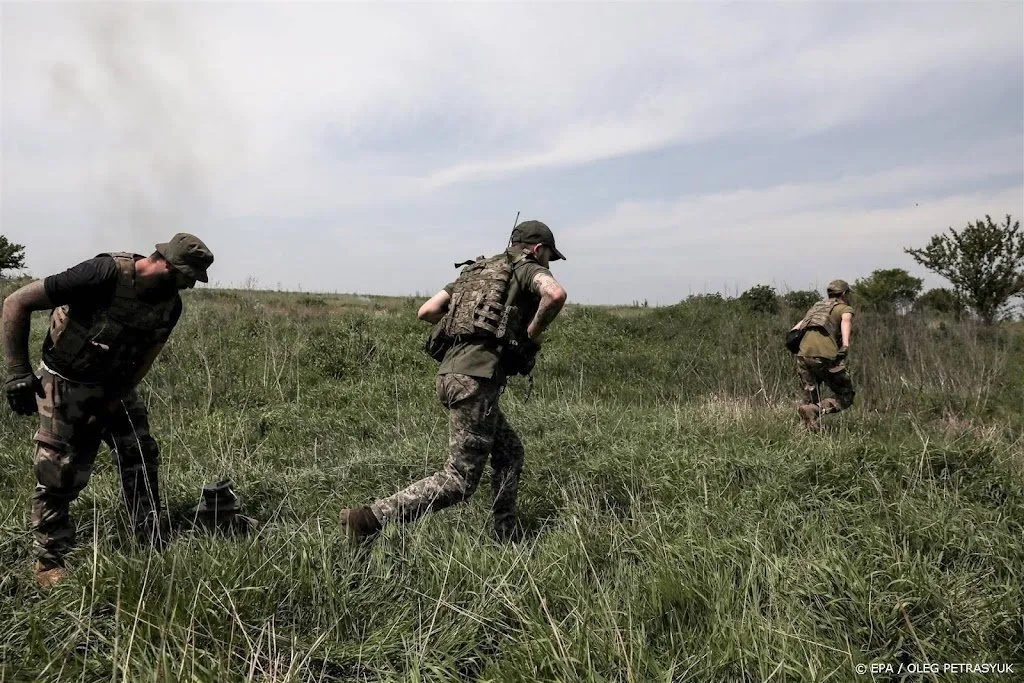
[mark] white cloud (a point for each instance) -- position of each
(144, 118)
(747, 211)
(793, 236)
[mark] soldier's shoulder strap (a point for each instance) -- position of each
(469, 261)
(125, 262)
(511, 259)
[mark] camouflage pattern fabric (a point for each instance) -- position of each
(73, 419)
(474, 357)
(479, 306)
(823, 329)
(477, 428)
(814, 372)
(820, 316)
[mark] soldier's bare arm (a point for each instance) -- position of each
(17, 317)
(846, 326)
(552, 298)
(434, 308)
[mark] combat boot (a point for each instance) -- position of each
(360, 524)
(809, 414)
(49, 573)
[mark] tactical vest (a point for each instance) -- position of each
(820, 316)
(113, 342)
(480, 305)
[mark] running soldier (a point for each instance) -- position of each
(488, 325)
(821, 359)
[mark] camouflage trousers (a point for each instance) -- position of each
(476, 428)
(73, 419)
(814, 372)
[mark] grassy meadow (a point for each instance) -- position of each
(678, 525)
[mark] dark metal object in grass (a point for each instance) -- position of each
(220, 509)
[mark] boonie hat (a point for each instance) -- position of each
(188, 254)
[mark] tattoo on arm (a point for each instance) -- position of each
(17, 318)
(546, 284)
(552, 298)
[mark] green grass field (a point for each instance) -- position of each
(678, 524)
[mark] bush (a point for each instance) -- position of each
(760, 299)
(940, 300)
(890, 290)
(801, 299)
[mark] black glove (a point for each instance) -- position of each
(841, 355)
(22, 388)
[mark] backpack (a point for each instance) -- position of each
(479, 308)
(819, 316)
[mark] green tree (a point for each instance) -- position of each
(12, 256)
(939, 300)
(888, 289)
(984, 262)
(760, 299)
(801, 299)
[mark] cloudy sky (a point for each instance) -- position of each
(673, 148)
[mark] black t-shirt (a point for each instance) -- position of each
(85, 288)
(90, 284)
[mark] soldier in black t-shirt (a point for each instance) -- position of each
(111, 316)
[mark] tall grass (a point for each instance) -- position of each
(677, 524)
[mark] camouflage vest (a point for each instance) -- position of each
(480, 304)
(819, 316)
(116, 339)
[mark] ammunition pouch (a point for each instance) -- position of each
(793, 339)
(519, 357)
(438, 342)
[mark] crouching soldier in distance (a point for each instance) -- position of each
(488, 324)
(821, 358)
(111, 316)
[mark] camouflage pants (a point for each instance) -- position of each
(476, 428)
(73, 419)
(814, 372)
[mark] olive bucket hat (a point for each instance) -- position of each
(188, 254)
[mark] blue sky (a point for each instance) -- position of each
(673, 148)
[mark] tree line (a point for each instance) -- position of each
(984, 263)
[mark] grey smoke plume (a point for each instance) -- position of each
(155, 127)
